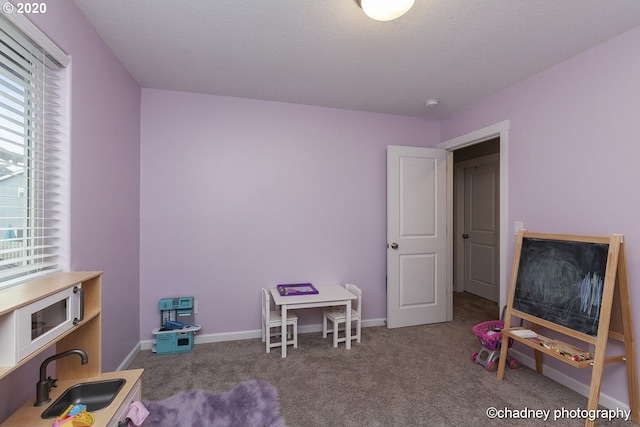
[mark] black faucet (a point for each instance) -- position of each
(45, 384)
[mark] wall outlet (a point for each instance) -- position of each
(519, 225)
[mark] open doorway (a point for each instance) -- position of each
(500, 131)
(476, 230)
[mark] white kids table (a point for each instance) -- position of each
(328, 295)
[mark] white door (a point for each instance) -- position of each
(481, 230)
(416, 236)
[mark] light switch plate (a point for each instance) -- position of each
(519, 225)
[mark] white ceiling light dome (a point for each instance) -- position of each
(386, 10)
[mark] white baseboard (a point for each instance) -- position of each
(567, 381)
(245, 335)
(129, 359)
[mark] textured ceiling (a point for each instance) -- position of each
(328, 53)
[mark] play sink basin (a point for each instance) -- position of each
(95, 394)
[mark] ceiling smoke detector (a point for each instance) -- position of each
(431, 103)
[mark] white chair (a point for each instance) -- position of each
(272, 319)
(338, 315)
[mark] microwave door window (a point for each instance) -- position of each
(42, 321)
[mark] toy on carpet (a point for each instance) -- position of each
(490, 336)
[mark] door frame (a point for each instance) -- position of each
(501, 130)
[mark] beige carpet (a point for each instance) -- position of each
(415, 376)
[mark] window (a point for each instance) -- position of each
(32, 152)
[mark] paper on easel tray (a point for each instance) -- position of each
(523, 333)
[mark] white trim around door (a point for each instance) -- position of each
(500, 129)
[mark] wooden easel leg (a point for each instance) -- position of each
(629, 344)
(502, 362)
(632, 379)
(594, 389)
(538, 356)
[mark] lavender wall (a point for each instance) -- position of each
(105, 156)
(573, 155)
(217, 197)
(239, 194)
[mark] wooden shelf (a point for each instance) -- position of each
(531, 342)
(85, 335)
(20, 295)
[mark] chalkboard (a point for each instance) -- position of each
(561, 282)
(575, 286)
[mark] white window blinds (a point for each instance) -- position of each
(33, 168)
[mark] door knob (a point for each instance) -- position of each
(394, 246)
(465, 236)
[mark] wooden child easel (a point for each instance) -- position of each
(590, 310)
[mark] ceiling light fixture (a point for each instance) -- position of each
(386, 10)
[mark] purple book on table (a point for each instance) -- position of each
(296, 289)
